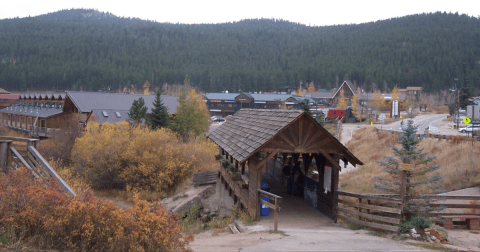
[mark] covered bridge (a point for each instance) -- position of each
(253, 137)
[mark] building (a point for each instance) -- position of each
(43, 115)
(96, 103)
(7, 99)
(224, 104)
(412, 93)
(331, 96)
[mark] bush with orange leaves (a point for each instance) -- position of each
(121, 156)
(48, 218)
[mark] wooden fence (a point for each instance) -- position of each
(370, 210)
(27, 156)
(385, 211)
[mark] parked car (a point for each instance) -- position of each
(219, 119)
(470, 128)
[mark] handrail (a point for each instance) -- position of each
(275, 207)
(50, 170)
(269, 194)
(19, 139)
(24, 163)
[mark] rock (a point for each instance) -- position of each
(207, 192)
(415, 236)
(183, 195)
(413, 231)
(433, 238)
(428, 239)
(204, 218)
(436, 241)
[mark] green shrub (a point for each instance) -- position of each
(418, 222)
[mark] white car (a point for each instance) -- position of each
(470, 128)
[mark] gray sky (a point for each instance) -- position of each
(315, 13)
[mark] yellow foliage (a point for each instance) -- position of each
(118, 156)
(311, 87)
(395, 94)
(356, 107)
(29, 210)
(300, 92)
(342, 103)
(146, 88)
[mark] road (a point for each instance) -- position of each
(331, 239)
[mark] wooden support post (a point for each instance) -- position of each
(3, 156)
(275, 216)
(335, 178)
(359, 208)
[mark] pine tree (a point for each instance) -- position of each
(137, 112)
(159, 116)
(303, 105)
(411, 163)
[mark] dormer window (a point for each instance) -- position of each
(118, 114)
(104, 113)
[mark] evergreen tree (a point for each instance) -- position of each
(159, 116)
(411, 162)
(303, 105)
(137, 112)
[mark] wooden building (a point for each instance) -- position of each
(252, 137)
(331, 96)
(224, 104)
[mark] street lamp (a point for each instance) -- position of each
(457, 116)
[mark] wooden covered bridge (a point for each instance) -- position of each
(253, 137)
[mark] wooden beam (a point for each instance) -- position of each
(288, 134)
(306, 138)
(300, 131)
(286, 139)
(268, 157)
(313, 138)
(329, 158)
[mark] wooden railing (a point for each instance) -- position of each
(469, 204)
(370, 210)
(275, 206)
(32, 160)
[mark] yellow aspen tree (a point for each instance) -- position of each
(342, 103)
(311, 87)
(395, 93)
(356, 110)
(146, 88)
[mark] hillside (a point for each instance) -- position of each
(457, 159)
(86, 49)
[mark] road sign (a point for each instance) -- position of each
(467, 120)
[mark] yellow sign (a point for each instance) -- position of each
(401, 117)
(467, 120)
(371, 123)
(406, 167)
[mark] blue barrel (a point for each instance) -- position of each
(264, 210)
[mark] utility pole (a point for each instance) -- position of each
(458, 102)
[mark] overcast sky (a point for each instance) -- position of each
(314, 13)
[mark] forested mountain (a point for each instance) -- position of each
(73, 49)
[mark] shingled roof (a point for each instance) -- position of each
(88, 101)
(252, 129)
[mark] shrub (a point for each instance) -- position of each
(418, 222)
(29, 210)
(117, 156)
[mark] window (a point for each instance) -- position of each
(118, 114)
(104, 113)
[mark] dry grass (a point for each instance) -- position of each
(459, 161)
